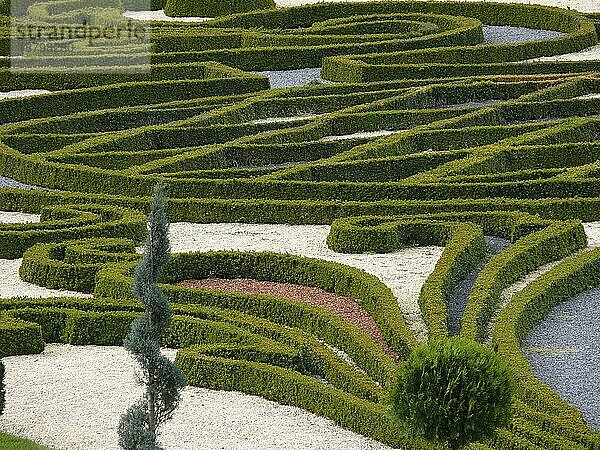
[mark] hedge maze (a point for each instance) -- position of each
(429, 136)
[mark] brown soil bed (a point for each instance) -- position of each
(344, 307)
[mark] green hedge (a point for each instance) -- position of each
(550, 244)
(214, 8)
(64, 222)
(19, 338)
(370, 293)
(525, 309)
(73, 265)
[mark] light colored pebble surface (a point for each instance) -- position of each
(160, 15)
(590, 53)
(404, 271)
(11, 284)
(18, 217)
(493, 34)
(293, 78)
(23, 93)
(72, 397)
(563, 350)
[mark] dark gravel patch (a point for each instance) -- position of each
(458, 300)
(564, 352)
(6, 182)
(507, 35)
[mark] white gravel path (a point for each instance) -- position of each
(11, 284)
(592, 231)
(160, 15)
(72, 398)
(18, 217)
(285, 119)
(404, 271)
(359, 135)
(23, 93)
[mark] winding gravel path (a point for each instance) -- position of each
(11, 284)
(564, 352)
(6, 182)
(23, 93)
(160, 16)
(592, 231)
(458, 299)
(72, 397)
(564, 348)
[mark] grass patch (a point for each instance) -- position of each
(16, 443)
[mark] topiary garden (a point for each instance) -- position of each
(428, 128)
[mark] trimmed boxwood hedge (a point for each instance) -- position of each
(63, 222)
(214, 8)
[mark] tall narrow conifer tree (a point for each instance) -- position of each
(163, 381)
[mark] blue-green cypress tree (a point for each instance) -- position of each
(163, 381)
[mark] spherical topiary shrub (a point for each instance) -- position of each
(453, 390)
(214, 8)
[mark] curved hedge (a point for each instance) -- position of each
(440, 138)
(526, 308)
(214, 8)
(63, 222)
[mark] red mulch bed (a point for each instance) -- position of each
(344, 307)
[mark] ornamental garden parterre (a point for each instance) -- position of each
(424, 129)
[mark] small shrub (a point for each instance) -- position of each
(453, 390)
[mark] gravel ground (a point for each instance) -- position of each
(564, 348)
(293, 78)
(360, 135)
(6, 182)
(11, 284)
(18, 217)
(591, 53)
(344, 307)
(592, 231)
(505, 34)
(160, 15)
(458, 300)
(23, 93)
(286, 119)
(404, 271)
(60, 398)
(589, 96)
(564, 351)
